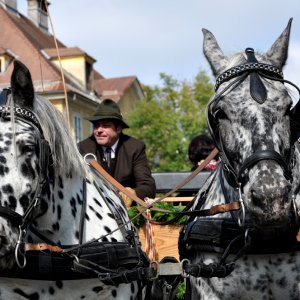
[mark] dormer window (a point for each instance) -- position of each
(89, 76)
(77, 64)
(6, 57)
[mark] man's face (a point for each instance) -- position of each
(106, 132)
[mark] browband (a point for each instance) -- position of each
(20, 112)
(248, 67)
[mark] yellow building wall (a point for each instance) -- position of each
(76, 107)
(4, 62)
(83, 111)
(74, 66)
(58, 104)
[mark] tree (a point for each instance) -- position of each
(168, 118)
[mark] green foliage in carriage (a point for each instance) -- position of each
(139, 220)
(180, 291)
(168, 118)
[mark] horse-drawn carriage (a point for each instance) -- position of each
(65, 233)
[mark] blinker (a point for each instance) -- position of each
(257, 89)
(3, 96)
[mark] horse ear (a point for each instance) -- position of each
(22, 86)
(213, 53)
(279, 51)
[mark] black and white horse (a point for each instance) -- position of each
(48, 195)
(250, 252)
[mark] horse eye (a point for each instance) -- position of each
(220, 114)
(28, 149)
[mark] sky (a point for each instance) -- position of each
(147, 37)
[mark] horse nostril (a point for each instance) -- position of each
(262, 198)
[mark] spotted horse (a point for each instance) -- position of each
(250, 251)
(64, 231)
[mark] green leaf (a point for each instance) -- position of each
(139, 221)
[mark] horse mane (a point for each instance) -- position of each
(66, 157)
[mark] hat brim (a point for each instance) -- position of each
(97, 118)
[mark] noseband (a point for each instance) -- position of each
(27, 116)
(255, 71)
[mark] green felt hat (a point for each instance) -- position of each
(108, 109)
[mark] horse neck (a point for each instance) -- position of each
(68, 205)
(64, 201)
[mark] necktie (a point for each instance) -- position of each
(108, 156)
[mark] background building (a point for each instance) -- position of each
(27, 38)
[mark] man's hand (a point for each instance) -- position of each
(127, 200)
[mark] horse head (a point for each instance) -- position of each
(21, 170)
(249, 118)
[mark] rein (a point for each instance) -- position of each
(222, 208)
(138, 200)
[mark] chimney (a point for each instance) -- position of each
(37, 13)
(9, 5)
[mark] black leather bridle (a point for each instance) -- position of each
(255, 71)
(23, 221)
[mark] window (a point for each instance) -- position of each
(91, 127)
(5, 59)
(89, 76)
(77, 125)
(2, 64)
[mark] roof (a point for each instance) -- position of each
(35, 48)
(26, 40)
(113, 88)
(66, 52)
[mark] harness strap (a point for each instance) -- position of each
(257, 89)
(11, 215)
(116, 262)
(222, 208)
(116, 276)
(121, 188)
(209, 270)
(42, 247)
(264, 155)
(82, 214)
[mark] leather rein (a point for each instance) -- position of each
(221, 208)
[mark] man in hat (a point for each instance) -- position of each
(122, 156)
